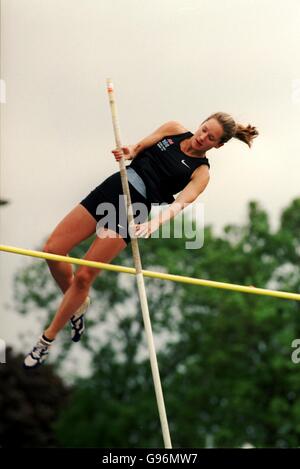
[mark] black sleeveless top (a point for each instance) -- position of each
(165, 169)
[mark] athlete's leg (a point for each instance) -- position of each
(102, 250)
(77, 226)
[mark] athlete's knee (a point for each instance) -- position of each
(84, 277)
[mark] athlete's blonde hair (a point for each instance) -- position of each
(234, 130)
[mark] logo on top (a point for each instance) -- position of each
(165, 143)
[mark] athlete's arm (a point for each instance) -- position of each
(131, 151)
(189, 194)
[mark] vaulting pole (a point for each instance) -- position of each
(139, 276)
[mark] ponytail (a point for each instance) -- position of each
(245, 134)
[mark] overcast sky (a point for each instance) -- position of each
(169, 60)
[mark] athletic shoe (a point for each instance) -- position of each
(77, 320)
(38, 354)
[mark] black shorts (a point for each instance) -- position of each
(106, 203)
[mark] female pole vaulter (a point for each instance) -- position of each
(170, 160)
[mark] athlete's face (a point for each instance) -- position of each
(207, 136)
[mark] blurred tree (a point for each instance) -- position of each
(3, 202)
(29, 404)
(224, 357)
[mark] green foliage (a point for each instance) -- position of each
(224, 357)
(30, 402)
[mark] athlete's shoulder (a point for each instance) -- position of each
(174, 128)
(201, 173)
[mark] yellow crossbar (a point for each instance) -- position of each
(151, 274)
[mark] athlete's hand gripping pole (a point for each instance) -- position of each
(139, 277)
